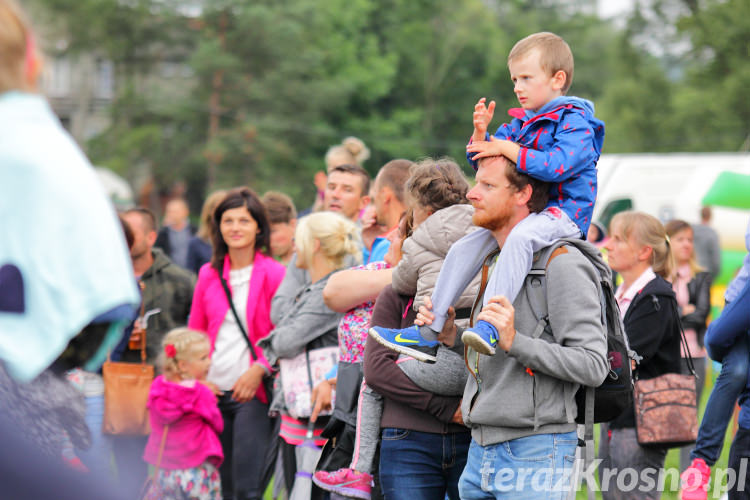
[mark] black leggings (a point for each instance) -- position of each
(250, 447)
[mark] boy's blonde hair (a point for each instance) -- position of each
(339, 237)
(648, 231)
(18, 57)
(185, 343)
(554, 54)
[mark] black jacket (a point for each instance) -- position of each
(699, 289)
(653, 330)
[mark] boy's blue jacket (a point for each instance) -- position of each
(560, 143)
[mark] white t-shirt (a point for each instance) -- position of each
(231, 356)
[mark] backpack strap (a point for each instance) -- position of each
(536, 290)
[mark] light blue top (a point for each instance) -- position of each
(60, 231)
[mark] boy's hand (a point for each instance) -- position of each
(482, 118)
(494, 147)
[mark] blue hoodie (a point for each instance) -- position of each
(561, 144)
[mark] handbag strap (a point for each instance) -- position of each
(142, 287)
(683, 339)
(237, 318)
(161, 451)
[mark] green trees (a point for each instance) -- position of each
(219, 92)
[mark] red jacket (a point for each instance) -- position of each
(210, 305)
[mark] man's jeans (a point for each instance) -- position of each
(421, 465)
(740, 452)
(730, 382)
(529, 468)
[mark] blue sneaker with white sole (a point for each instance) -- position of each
(481, 337)
(408, 341)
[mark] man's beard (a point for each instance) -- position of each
(491, 222)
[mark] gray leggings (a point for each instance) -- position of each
(466, 256)
(446, 377)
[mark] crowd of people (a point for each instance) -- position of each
(446, 382)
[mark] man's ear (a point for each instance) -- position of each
(363, 202)
(293, 223)
(151, 238)
(524, 195)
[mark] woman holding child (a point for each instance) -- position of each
(639, 250)
(419, 400)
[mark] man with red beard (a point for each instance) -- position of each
(520, 403)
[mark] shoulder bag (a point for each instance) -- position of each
(126, 388)
(666, 412)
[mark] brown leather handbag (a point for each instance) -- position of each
(666, 413)
(126, 387)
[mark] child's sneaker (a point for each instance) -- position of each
(408, 341)
(345, 482)
(695, 480)
(481, 337)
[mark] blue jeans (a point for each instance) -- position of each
(729, 384)
(740, 451)
(529, 468)
(421, 465)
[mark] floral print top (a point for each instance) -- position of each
(355, 323)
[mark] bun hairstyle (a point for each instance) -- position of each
(350, 151)
(648, 231)
(436, 184)
(339, 238)
(180, 344)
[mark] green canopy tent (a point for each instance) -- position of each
(729, 190)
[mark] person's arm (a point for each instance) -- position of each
(407, 271)
(579, 353)
(207, 408)
(733, 322)
(702, 303)
(383, 374)
(283, 300)
(347, 289)
(309, 320)
(198, 320)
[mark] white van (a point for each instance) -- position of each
(672, 185)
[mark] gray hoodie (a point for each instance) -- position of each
(502, 400)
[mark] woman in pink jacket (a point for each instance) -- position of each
(241, 235)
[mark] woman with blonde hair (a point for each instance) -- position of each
(325, 242)
(199, 247)
(639, 250)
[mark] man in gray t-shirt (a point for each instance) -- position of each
(706, 243)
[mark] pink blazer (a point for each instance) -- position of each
(210, 305)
